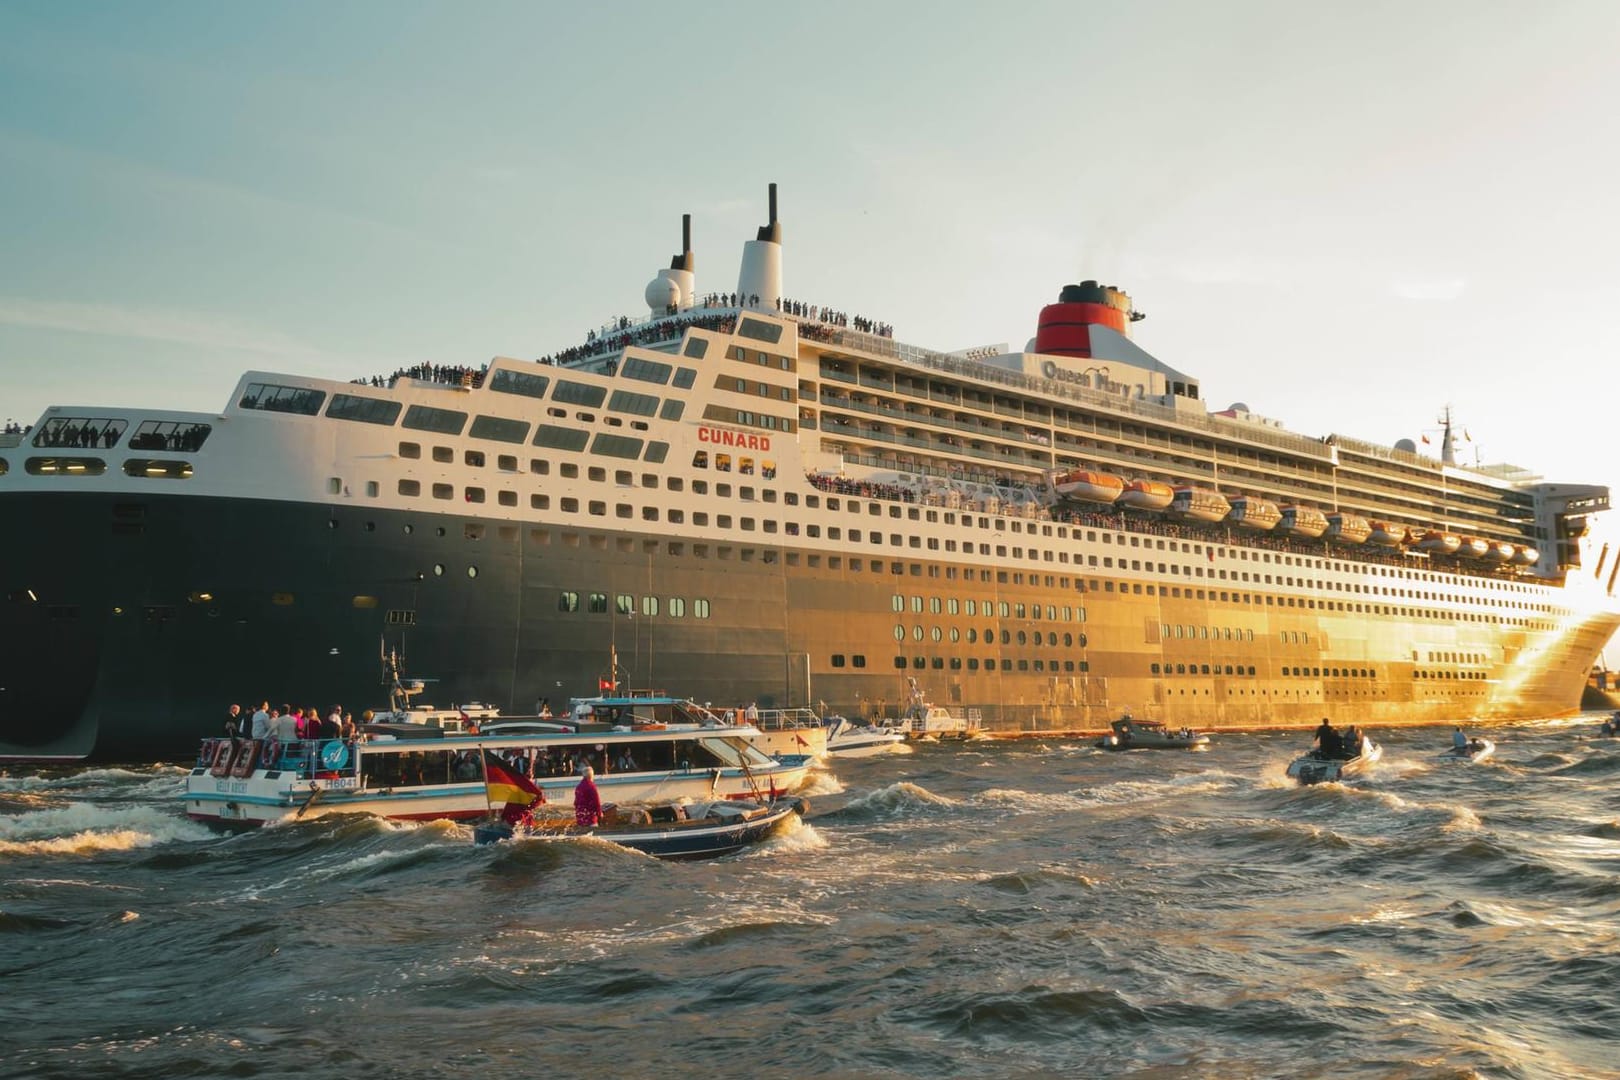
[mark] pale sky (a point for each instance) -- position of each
(1346, 216)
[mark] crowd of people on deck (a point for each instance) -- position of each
(289, 723)
(1332, 744)
(443, 374)
(14, 428)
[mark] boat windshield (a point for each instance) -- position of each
(734, 750)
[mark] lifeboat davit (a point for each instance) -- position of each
(1303, 521)
(1443, 542)
(1199, 504)
(1146, 495)
(1473, 547)
(1386, 535)
(1082, 485)
(1348, 528)
(1250, 513)
(1524, 555)
(1499, 551)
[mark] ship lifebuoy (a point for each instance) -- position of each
(243, 765)
(222, 758)
(267, 754)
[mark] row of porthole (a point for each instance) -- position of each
(1007, 637)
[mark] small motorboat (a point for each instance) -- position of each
(1313, 767)
(1475, 749)
(1610, 727)
(846, 738)
(673, 831)
(1130, 734)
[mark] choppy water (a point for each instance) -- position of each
(990, 910)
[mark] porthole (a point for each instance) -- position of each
(407, 529)
(438, 569)
(472, 571)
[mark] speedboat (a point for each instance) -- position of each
(1475, 749)
(1131, 734)
(1611, 726)
(846, 738)
(1313, 768)
(924, 720)
(671, 831)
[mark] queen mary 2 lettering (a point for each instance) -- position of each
(742, 440)
(748, 497)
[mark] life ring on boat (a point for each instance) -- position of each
(245, 759)
(267, 752)
(221, 764)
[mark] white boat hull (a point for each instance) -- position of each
(1311, 769)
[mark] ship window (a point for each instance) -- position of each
(157, 469)
(506, 381)
(560, 438)
(568, 601)
(756, 330)
(597, 507)
(569, 471)
(4, 468)
(598, 603)
(620, 446)
(540, 502)
(444, 455)
(677, 607)
(444, 491)
(625, 401)
(270, 397)
(442, 421)
(722, 462)
(652, 371)
(366, 410)
(497, 429)
(672, 409)
(700, 609)
(68, 466)
(656, 453)
(695, 348)
(507, 498)
(410, 487)
(569, 392)
(475, 458)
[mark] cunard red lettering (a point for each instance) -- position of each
(738, 439)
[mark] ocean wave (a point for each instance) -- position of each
(84, 827)
(899, 799)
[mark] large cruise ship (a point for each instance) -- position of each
(751, 499)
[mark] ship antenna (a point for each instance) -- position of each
(1448, 449)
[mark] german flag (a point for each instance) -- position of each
(506, 786)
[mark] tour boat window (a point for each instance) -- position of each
(700, 459)
(475, 458)
(745, 466)
(158, 469)
(411, 488)
(444, 491)
(539, 502)
(64, 466)
(507, 498)
(722, 462)
(169, 435)
(441, 421)
(271, 397)
(366, 410)
(597, 508)
(672, 409)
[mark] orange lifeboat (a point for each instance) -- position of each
(1500, 551)
(1303, 521)
(1250, 513)
(1146, 495)
(1443, 542)
(1348, 528)
(1384, 534)
(1524, 555)
(1199, 504)
(1473, 547)
(1083, 485)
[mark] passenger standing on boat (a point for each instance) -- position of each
(334, 723)
(625, 762)
(1327, 741)
(753, 713)
(349, 729)
(1352, 742)
(233, 723)
(545, 709)
(261, 721)
(587, 801)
